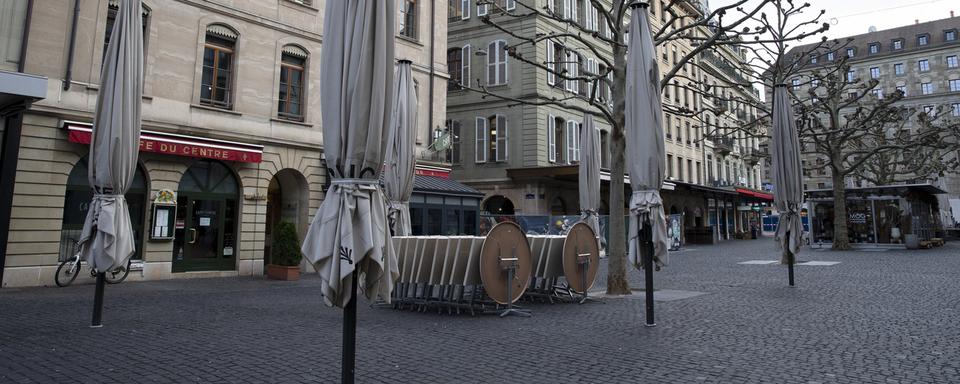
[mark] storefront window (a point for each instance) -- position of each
(76, 204)
(860, 221)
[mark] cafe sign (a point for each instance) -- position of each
(179, 145)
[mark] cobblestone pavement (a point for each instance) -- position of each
(876, 317)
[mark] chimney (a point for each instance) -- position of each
(951, 13)
(916, 21)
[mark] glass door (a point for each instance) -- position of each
(201, 245)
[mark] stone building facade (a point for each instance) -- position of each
(523, 157)
(922, 60)
(231, 120)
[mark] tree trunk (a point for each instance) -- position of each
(841, 239)
(617, 283)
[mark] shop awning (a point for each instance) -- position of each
(179, 145)
(756, 194)
(880, 190)
(440, 185)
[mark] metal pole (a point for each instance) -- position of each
(790, 260)
(349, 348)
(98, 300)
(646, 249)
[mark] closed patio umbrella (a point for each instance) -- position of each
(590, 174)
(349, 237)
(398, 169)
(645, 152)
(107, 240)
(787, 177)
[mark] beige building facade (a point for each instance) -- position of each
(231, 120)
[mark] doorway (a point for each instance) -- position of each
(206, 227)
(287, 201)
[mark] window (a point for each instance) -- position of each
(851, 52)
(874, 48)
(555, 136)
(455, 66)
(923, 39)
(573, 141)
(292, 63)
(878, 93)
(669, 165)
(483, 9)
(902, 89)
(851, 76)
(897, 44)
(952, 61)
(112, 10)
(680, 168)
(408, 19)
(689, 136)
(453, 128)
(216, 83)
(666, 126)
(955, 109)
(592, 22)
(954, 85)
(572, 64)
(796, 84)
(13, 16)
(813, 58)
(898, 69)
(875, 72)
(465, 6)
(814, 83)
(926, 88)
(929, 110)
(455, 9)
(950, 35)
(830, 56)
(554, 58)
(924, 65)
(497, 63)
(491, 139)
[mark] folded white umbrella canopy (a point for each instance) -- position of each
(398, 169)
(350, 232)
(590, 174)
(787, 172)
(107, 239)
(644, 131)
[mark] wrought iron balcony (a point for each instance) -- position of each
(722, 145)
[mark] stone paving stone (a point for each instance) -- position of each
(877, 317)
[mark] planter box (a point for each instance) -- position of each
(280, 272)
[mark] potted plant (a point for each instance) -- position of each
(285, 253)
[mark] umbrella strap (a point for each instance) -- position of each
(360, 183)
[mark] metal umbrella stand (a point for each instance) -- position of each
(349, 241)
(645, 153)
(107, 240)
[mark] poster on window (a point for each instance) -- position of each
(673, 231)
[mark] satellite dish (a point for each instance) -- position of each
(505, 247)
(581, 257)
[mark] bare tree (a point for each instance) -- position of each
(860, 133)
(733, 25)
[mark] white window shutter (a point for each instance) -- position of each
(481, 147)
(511, 5)
(551, 66)
(465, 65)
(550, 6)
(567, 6)
(502, 149)
(465, 7)
(570, 64)
(575, 65)
(576, 145)
(551, 138)
(491, 63)
(573, 12)
(481, 9)
(569, 133)
(502, 57)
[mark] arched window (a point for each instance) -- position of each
(293, 62)
(76, 203)
(216, 84)
(497, 63)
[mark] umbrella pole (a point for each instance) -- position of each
(790, 261)
(98, 301)
(646, 249)
(349, 348)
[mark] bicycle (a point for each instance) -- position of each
(69, 269)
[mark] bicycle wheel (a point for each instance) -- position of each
(67, 272)
(117, 275)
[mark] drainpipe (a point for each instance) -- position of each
(433, 36)
(25, 38)
(68, 77)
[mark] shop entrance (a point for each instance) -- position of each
(206, 228)
(286, 202)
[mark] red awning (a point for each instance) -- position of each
(759, 195)
(180, 145)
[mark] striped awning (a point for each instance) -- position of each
(222, 31)
(296, 51)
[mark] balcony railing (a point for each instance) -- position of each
(722, 145)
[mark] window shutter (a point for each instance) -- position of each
(567, 6)
(511, 5)
(491, 63)
(570, 65)
(551, 138)
(569, 133)
(465, 7)
(576, 144)
(481, 9)
(502, 62)
(481, 139)
(573, 12)
(550, 6)
(551, 66)
(502, 149)
(575, 66)
(465, 64)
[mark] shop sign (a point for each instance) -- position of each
(179, 145)
(858, 218)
